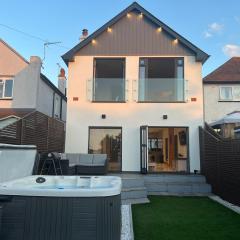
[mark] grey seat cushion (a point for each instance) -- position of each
(73, 159)
(99, 159)
(82, 159)
(85, 159)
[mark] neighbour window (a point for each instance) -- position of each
(161, 79)
(230, 93)
(6, 88)
(109, 82)
(236, 93)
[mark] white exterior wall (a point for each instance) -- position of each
(130, 115)
(45, 98)
(25, 88)
(213, 108)
(64, 110)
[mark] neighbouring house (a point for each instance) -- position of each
(32, 108)
(23, 86)
(222, 91)
(135, 92)
(228, 126)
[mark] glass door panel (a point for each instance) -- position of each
(144, 149)
(107, 140)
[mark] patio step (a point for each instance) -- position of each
(172, 178)
(134, 193)
(132, 182)
(136, 187)
(178, 188)
(177, 185)
(133, 189)
(135, 201)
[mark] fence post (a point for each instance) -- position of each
(48, 134)
(202, 148)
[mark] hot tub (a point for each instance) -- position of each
(61, 208)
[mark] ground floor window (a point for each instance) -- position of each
(107, 140)
(167, 149)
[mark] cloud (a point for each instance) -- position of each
(231, 50)
(207, 34)
(213, 28)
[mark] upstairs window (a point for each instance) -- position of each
(109, 80)
(229, 93)
(6, 88)
(161, 79)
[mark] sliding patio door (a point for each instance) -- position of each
(144, 148)
(107, 140)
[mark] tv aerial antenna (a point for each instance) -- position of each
(45, 45)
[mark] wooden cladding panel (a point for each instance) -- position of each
(134, 36)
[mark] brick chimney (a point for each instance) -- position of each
(84, 34)
(62, 80)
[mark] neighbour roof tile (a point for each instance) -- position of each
(229, 72)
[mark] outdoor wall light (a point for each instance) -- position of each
(175, 41)
(141, 15)
(103, 116)
(128, 15)
(93, 41)
(109, 29)
(159, 29)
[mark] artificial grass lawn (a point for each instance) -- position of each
(195, 218)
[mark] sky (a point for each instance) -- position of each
(212, 25)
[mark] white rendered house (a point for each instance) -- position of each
(222, 91)
(135, 92)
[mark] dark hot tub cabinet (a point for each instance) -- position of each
(61, 208)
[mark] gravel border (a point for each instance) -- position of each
(127, 226)
(225, 203)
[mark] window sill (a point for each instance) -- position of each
(108, 101)
(6, 98)
(228, 100)
(160, 102)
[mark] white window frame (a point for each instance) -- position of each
(233, 99)
(3, 82)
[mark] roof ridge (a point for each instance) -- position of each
(14, 51)
(224, 69)
(200, 55)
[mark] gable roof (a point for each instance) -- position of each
(14, 51)
(42, 76)
(229, 72)
(200, 55)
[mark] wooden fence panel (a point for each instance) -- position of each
(220, 163)
(47, 133)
